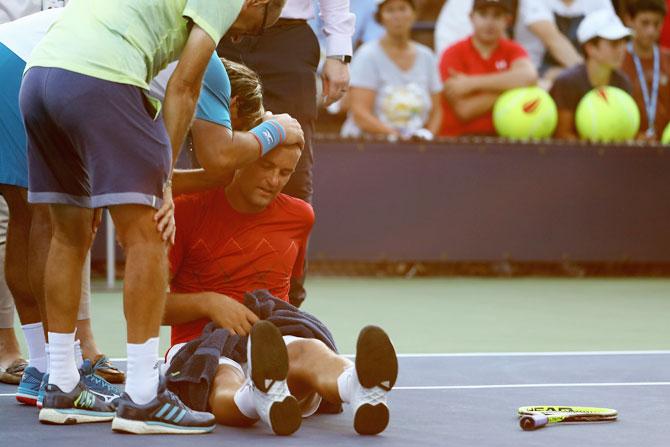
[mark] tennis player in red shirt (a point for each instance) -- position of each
(478, 69)
(249, 236)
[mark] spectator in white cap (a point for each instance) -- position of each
(603, 38)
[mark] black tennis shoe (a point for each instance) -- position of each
(79, 406)
(376, 371)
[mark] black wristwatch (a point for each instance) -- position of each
(345, 59)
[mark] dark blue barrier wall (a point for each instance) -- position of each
(491, 201)
(488, 201)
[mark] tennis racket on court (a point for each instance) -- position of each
(535, 417)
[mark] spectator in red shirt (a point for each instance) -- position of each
(480, 68)
(249, 236)
(647, 65)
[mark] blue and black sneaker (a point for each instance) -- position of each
(29, 387)
(96, 385)
(79, 406)
(165, 414)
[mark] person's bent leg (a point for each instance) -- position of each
(315, 368)
(224, 397)
(363, 384)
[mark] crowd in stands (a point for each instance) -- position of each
(401, 88)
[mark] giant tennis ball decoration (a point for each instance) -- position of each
(607, 114)
(665, 139)
(525, 113)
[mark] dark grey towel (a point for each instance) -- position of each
(193, 368)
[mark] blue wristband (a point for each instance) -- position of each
(269, 134)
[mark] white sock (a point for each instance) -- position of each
(34, 334)
(78, 356)
(345, 382)
(64, 372)
(244, 399)
(142, 375)
(46, 348)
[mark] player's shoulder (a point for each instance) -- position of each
(297, 208)
(197, 200)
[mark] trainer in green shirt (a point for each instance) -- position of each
(128, 42)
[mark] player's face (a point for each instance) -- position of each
(489, 24)
(261, 181)
(397, 17)
(647, 27)
(609, 52)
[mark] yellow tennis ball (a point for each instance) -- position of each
(525, 113)
(607, 114)
(665, 139)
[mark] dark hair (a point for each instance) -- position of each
(635, 7)
(378, 17)
(246, 86)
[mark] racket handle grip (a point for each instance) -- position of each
(533, 422)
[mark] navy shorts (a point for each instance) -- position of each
(92, 143)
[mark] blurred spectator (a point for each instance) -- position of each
(665, 33)
(395, 87)
(648, 66)
(603, 38)
(545, 28)
(478, 69)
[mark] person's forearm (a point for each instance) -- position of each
(221, 151)
(563, 51)
(182, 308)
(369, 123)
(186, 181)
(507, 80)
(474, 106)
(178, 110)
(435, 121)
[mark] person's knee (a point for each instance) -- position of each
(72, 226)
(306, 347)
(135, 227)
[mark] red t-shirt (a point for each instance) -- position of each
(464, 57)
(665, 33)
(218, 249)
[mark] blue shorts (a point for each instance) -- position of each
(92, 143)
(13, 159)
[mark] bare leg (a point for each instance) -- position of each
(221, 398)
(314, 367)
(145, 282)
(72, 235)
(85, 335)
(9, 347)
(38, 251)
(16, 259)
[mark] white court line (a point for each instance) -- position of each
(514, 385)
(530, 385)
(510, 354)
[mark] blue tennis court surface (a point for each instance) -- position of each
(446, 400)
